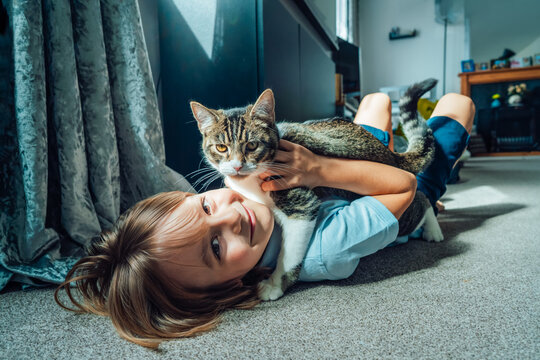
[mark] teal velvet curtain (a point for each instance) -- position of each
(80, 133)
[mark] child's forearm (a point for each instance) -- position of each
(362, 177)
(393, 187)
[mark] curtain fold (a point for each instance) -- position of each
(102, 151)
(80, 133)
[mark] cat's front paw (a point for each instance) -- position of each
(269, 290)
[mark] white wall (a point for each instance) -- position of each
(530, 50)
(402, 62)
(496, 25)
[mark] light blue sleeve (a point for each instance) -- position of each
(346, 232)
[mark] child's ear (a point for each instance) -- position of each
(204, 116)
(264, 106)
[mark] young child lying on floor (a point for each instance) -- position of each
(175, 261)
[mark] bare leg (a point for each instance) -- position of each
(458, 107)
(376, 110)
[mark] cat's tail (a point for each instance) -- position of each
(421, 147)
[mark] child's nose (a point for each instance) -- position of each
(231, 196)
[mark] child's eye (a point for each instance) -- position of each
(215, 247)
(206, 206)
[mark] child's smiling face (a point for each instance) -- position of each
(235, 232)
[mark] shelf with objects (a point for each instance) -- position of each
(468, 79)
(508, 110)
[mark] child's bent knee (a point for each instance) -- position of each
(375, 110)
(458, 107)
(458, 100)
(378, 99)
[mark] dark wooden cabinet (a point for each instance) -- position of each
(224, 56)
(509, 128)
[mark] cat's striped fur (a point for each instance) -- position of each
(241, 143)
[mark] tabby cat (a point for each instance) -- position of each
(242, 142)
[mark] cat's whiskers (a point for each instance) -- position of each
(210, 181)
(200, 163)
(287, 169)
(282, 183)
(203, 178)
(278, 165)
(200, 171)
(198, 185)
(210, 175)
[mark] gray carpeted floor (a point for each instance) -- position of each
(475, 295)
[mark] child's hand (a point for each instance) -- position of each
(295, 165)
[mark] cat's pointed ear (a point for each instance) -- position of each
(204, 116)
(264, 106)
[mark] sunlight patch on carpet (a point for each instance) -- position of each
(478, 196)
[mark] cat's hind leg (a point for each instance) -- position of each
(420, 216)
(432, 230)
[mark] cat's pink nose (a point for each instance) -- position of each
(237, 168)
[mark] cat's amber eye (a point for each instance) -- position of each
(251, 145)
(221, 147)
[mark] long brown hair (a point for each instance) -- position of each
(119, 278)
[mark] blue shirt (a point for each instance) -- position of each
(344, 233)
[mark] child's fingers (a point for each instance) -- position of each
(268, 185)
(282, 156)
(281, 183)
(286, 145)
(274, 185)
(269, 175)
(266, 174)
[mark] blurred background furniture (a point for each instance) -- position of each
(514, 129)
(348, 96)
(508, 128)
